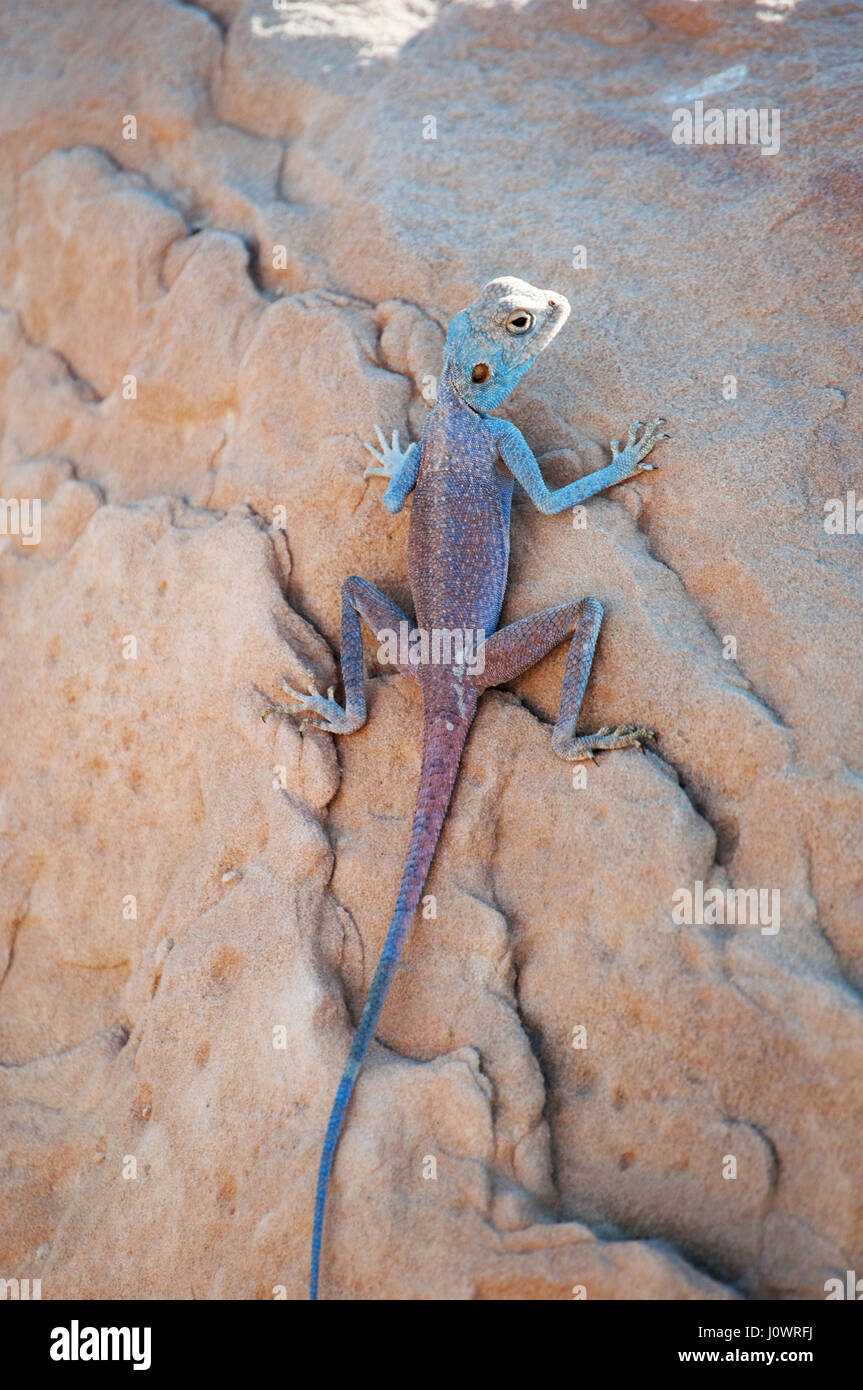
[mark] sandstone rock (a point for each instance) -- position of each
(200, 326)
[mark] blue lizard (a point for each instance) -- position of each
(461, 474)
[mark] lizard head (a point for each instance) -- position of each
(491, 344)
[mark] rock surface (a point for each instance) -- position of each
(200, 325)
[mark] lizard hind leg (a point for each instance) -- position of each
(360, 600)
(516, 648)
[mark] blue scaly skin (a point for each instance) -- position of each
(461, 474)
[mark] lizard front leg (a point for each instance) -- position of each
(399, 465)
(516, 648)
(360, 599)
(625, 463)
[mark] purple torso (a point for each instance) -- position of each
(458, 547)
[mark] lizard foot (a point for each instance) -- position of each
(639, 446)
(391, 457)
(576, 748)
(331, 717)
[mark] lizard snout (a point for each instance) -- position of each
(557, 313)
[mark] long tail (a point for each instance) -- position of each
(444, 737)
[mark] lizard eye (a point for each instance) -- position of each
(481, 372)
(521, 321)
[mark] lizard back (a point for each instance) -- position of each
(458, 545)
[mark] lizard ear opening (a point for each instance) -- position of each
(481, 372)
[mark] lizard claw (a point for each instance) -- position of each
(319, 711)
(294, 695)
(376, 454)
(581, 747)
(315, 724)
(638, 446)
(390, 456)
